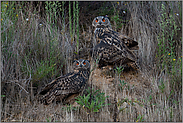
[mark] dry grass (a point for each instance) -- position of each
(35, 51)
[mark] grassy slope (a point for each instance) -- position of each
(36, 47)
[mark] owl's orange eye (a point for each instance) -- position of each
(96, 20)
(84, 63)
(77, 64)
(103, 20)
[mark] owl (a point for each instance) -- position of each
(113, 47)
(68, 86)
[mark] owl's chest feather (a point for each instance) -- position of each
(74, 81)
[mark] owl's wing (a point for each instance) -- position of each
(109, 53)
(50, 86)
(129, 42)
(123, 49)
(112, 38)
(72, 84)
(129, 54)
(62, 86)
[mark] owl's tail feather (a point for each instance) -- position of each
(134, 65)
(47, 99)
(130, 55)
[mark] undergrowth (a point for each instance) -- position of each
(93, 101)
(168, 55)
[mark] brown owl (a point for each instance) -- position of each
(113, 47)
(68, 86)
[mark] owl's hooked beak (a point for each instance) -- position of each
(100, 23)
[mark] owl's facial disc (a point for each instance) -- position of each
(81, 65)
(101, 22)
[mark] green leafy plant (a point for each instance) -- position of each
(119, 70)
(3, 96)
(168, 53)
(93, 101)
(51, 11)
(48, 119)
(69, 108)
(166, 41)
(162, 86)
(122, 84)
(74, 24)
(129, 102)
(70, 20)
(77, 25)
(140, 118)
(117, 20)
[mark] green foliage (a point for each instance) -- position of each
(63, 10)
(168, 52)
(129, 102)
(33, 49)
(48, 119)
(106, 10)
(74, 23)
(140, 118)
(119, 70)
(51, 8)
(123, 85)
(117, 17)
(69, 108)
(9, 15)
(3, 96)
(171, 114)
(70, 21)
(93, 101)
(77, 25)
(162, 86)
(117, 20)
(150, 98)
(43, 69)
(74, 18)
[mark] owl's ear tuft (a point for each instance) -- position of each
(74, 61)
(107, 17)
(87, 61)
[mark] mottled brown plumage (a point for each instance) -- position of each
(113, 47)
(67, 86)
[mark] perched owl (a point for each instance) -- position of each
(113, 47)
(69, 85)
(103, 30)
